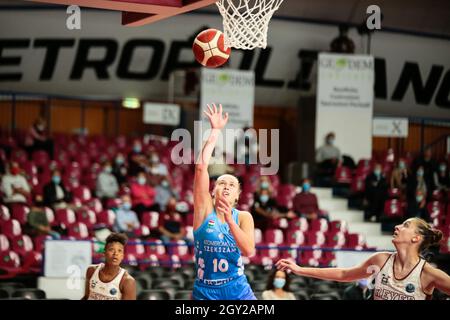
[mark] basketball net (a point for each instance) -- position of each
(245, 22)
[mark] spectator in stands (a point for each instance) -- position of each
(399, 177)
(107, 186)
(37, 138)
(171, 224)
(375, 193)
(55, 194)
(442, 177)
(265, 209)
(264, 183)
(328, 158)
(126, 219)
(136, 159)
(218, 167)
(143, 195)
(37, 221)
(155, 166)
(390, 156)
(305, 203)
(429, 166)
(15, 187)
(417, 183)
(120, 170)
(278, 287)
(358, 291)
(417, 207)
(164, 193)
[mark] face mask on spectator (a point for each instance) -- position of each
(264, 198)
(126, 206)
(420, 173)
(330, 141)
(165, 183)
(137, 148)
(119, 160)
(377, 172)
(401, 165)
(108, 169)
(41, 127)
(155, 159)
(264, 185)
(141, 180)
(15, 170)
(419, 198)
(56, 179)
(306, 187)
(279, 283)
(442, 167)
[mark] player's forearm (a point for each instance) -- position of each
(208, 148)
(332, 274)
(243, 241)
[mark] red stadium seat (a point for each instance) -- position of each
(338, 225)
(393, 208)
(335, 239)
(10, 261)
(39, 242)
(356, 241)
(318, 225)
(65, 217)
(269, 250)
(151, 220)
(113, 203)
(4, 214)
(315, 239)
(106, 218)
(279, 223)
(156, 248)
(310, 257)
(274, 236)
(258, 236)
(22, 244)
(298, 224)
(343, 175)
(394, 193)
(32, 262)
(20, 212)
(4, 243)
(296, 237)
(83, 193)
(78, 230)
(87, 217)
(135, 248)
(11, 228)
(358, 184)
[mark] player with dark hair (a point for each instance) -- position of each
(108, 281)
(402, 275)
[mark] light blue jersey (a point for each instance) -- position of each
(220, 270)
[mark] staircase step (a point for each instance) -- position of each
(322, 193)
(351, 216)
(333, 204)
(365, 228)
(380, 242)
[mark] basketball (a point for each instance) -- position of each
(209, 49)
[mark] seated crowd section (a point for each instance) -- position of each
(82, 187)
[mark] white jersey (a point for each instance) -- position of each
(388, 287)
(99, 290)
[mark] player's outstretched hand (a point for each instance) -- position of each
(216, 119)
(288, 265)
